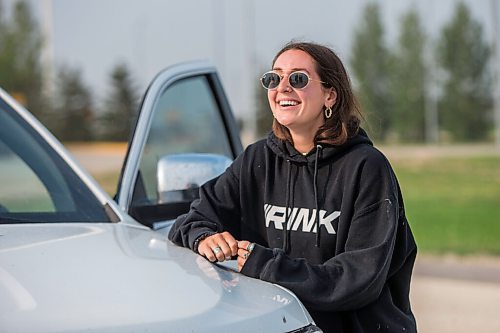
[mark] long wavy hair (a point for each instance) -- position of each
(346, 116)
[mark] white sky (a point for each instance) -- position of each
(239, 37)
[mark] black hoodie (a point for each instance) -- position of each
(353, 272)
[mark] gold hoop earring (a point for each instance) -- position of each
(328, 112)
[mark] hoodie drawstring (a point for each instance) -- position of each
(286, 231)
(318, 229)
(286, 236)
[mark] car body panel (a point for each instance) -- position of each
(66, 277)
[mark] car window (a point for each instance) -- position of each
(186, 119)
(21, 189)
(37, 185)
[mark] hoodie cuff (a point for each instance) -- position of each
(257, 260)
(198, 236)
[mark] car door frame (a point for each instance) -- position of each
(157, 87)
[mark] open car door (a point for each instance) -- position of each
(185, 134)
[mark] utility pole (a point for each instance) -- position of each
(432, 95)
(48, 47)
(249, 67)
(219, 33)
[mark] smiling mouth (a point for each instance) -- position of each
(288, 103)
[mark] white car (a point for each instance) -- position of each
(74, 260)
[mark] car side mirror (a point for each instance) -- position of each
(179, 176)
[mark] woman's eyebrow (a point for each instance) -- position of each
(278, 69)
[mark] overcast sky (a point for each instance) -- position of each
(239, 37)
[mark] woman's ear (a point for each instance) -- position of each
(331, 98)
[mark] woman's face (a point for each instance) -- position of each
(300, 110)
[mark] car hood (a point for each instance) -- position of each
(117, 277)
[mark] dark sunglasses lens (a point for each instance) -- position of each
(298, 80)
(270, 80)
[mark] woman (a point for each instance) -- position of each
(314, 207)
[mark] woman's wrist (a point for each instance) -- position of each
(198, 240)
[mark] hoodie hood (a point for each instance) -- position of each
(287, 151)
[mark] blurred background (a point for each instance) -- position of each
(426, 73)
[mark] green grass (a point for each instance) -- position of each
(453, 204)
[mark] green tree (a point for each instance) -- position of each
(74, 111)
(121, 106)
(370, 62)
(264, 113)
(21, 71)
(464, 55)
(408, 80)
(3, 29)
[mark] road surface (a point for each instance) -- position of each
(451, 294)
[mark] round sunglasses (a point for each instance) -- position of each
(297, 80)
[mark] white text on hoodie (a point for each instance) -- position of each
(297, 217)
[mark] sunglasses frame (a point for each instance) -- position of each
(289, 83)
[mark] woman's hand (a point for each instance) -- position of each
(218, 247)
(244, 250)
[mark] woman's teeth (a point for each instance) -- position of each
(288, 103)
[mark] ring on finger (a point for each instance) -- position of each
(216, 250)
(245, 255)
(250, 247)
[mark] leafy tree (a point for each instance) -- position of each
(121, 106)
(408, 80)
(264, 113)
(370, 62)
(467, 93)
(3, 27)
(74, 110)
(21, 71)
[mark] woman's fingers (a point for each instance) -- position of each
(244, 250)
(222, 246)
(218, 247)
(205, 249)
(243, 244)
(232, 243)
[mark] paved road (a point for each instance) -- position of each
(99, 158)
(456, 295)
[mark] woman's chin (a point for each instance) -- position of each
(284, 120)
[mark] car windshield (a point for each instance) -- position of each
(36, 184)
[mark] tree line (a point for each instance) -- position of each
(415, 89)
(419, 89)
(69, 111)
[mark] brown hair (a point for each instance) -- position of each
(346, 115)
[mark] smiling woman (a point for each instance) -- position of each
(314, 207)
(294, 106)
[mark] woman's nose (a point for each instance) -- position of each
(284, 85)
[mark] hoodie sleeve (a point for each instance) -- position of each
(356, 276)
(218, 202)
